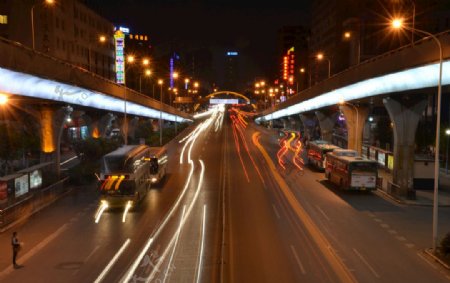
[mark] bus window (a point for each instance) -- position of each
(154, 165)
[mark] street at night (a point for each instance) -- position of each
(212, 141)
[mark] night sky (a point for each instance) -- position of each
(248, 25)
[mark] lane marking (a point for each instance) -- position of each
(302, 269)
(385, 226)
(378, 220)
(112, 261)
(366, 263)
(317, 236)
(323, 213)
(276, 211)
(409, 245)
(393, 232)
(401, 238)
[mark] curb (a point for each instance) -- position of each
(437, 259)
(407, 202)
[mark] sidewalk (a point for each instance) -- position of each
(423, 197)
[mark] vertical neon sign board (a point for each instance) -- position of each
(119, 39)
(171, 84)
(291, 64)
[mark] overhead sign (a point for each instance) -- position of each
(119, 40)
(223, 101)
(124, 30)
(232, 53)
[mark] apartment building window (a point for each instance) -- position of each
(63, 25)
(56, 22)
(3, 19)
(75, 30)
(57, 42)
(75, 12)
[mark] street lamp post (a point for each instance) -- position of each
(101, 39)
(319, 57)
(146, 73)
(349, 35)
(160, 82)
(447, 133)
(398, 24)
(49, 2)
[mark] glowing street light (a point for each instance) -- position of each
(398, 24)
(145, 61)
(130, 59)
(3, 99)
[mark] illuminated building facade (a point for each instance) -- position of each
(67, 30)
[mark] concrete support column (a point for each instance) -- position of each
(405, 117)
(355, 118)
(99, 126)
(52, 124)
(132, 126)
(326, 122)
(309, 125)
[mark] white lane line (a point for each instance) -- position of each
(378, 220)
(323, 213)
(276, 211)
(393, 232)
(410, 245)
(169, 267)
(200, 263)
(401, 238)
(366, 263)
(302, 269)
(35, 250)
(384, 225)
(112, 261)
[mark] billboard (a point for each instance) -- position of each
(119, 42)
(35, 179)
(21, 185)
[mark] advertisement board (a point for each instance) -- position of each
(119, 40)
(372, 153)
(390, 163)
(21, 185)
(3, 191)
(382, 158)
(35, 179)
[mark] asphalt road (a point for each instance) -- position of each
(229, 215)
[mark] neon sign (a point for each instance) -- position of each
(119, 40)
(232, 53)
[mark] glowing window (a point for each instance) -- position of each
(3, 19)
(141, 37)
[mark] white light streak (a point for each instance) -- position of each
(112, 262)
(102, 208)
(411, 79)
(180, 226)
(127, 207)
(172, 241)
(132, 269)
(200, 263)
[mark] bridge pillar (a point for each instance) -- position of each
(295, 123)
(98, 126)
(326, 122)
(309, 126)
(405, 117)
(355, 118)
(52, 124)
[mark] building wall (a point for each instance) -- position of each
(68, 30)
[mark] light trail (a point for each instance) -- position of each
(166, 274)
(132, 269)
(102, 208)
(127, 207)
(68, 160)
(112, 261)
(172, 241)
(238, 149)
(200, 264)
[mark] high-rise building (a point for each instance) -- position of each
(293, 54)
(65, 29)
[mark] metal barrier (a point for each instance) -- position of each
(32, 204)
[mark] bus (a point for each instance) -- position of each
(350, 171)
(158, 164)
(317, 151)
(125, 175)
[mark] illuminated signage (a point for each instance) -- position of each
(232, 53)
(171, 67)
(223, 101)
(119, 39)
(21, 185)
(124, 30)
